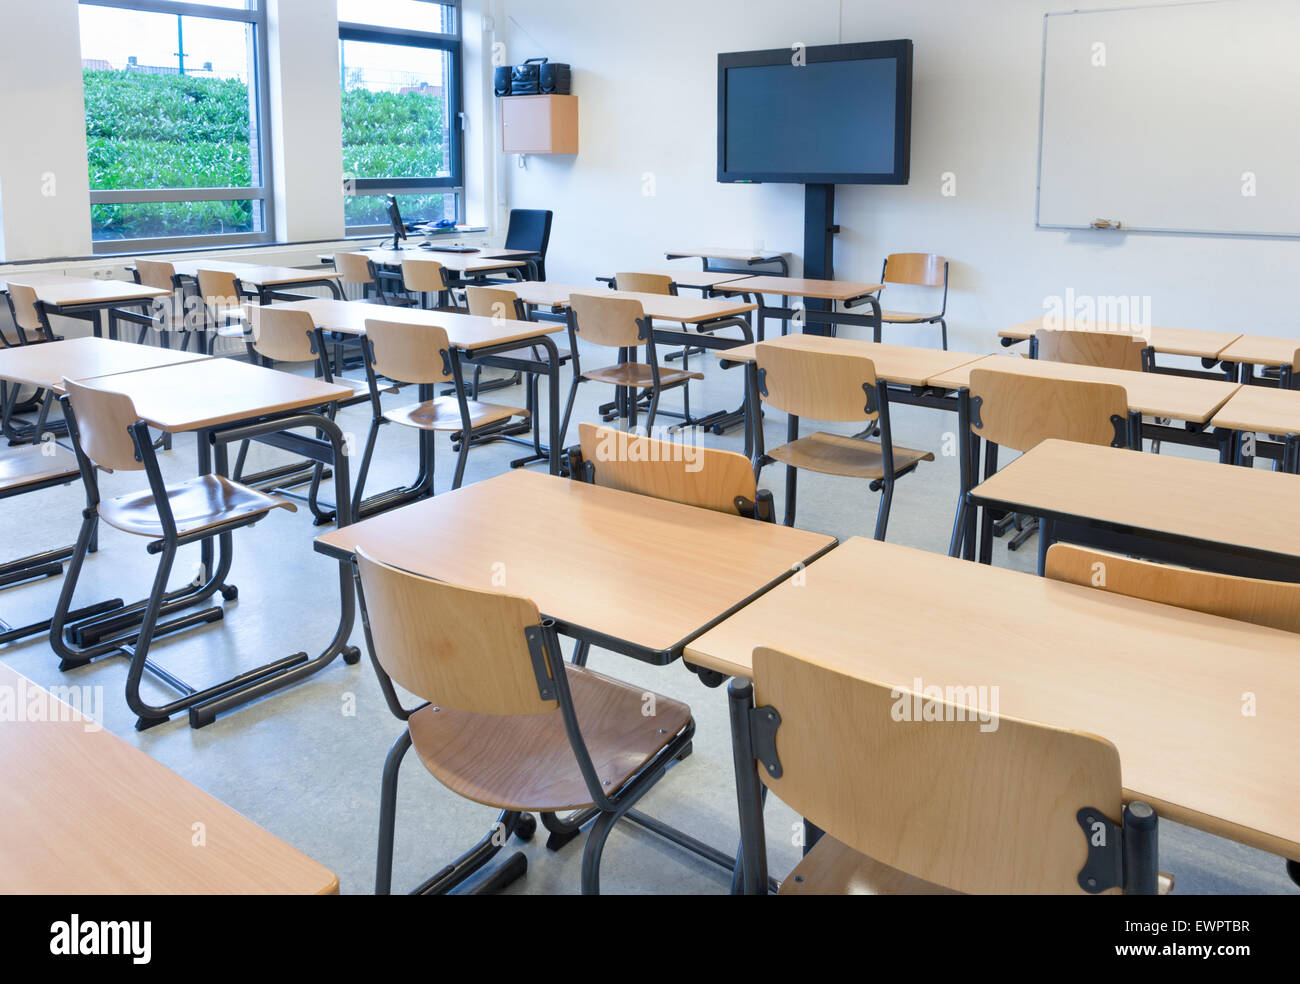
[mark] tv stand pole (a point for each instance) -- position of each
(819, 231)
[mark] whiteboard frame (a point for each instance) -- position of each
(1042, 112)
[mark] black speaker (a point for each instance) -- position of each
(556, 78)
(501, 80)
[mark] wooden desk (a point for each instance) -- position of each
(696, 279)
(823, 290)
(638, 575)
(88, 298)
(261, 276)
(1262, 350)
(723, 253)
(666, 307)
(463, 263)
(905, 364)
(1165, 685)
(1200, 513)
(1256, 409)
(1169, 341)
(87, 814)
(465, 331)
(46, 364)
(1153, 393)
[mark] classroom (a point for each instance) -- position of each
(555, 447)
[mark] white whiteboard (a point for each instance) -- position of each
(1166, 118)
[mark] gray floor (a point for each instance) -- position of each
(306, 763)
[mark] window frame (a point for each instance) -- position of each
(255, 16)
(453, 45)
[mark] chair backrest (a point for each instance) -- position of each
(1295, 361)
(279, 334)
(1019, 411)
(918, 269)
(409, 353)
(1109, 350)
(1247, 599)
(452, 646)
(23, 300)
(972, 801)
(103, 418)
(492, 302)
(355, 268)
(530, 229)
(644, 283)
(421, 275)
(816, 385)
(609, 321)
(218, 288)
(156, 274)
(706, 477)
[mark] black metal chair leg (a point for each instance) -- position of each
(359, 491)
(882, 511)
(592, 851)
(146, 713)
(791, 480)
(388, 813)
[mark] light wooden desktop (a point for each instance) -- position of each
(456, 262)
(1237, 507)
(465, 331)
(1168, 341)
(256, 274)
(73, 292)
(649, 572)
(697, 279)
(666, 307)
(905, 364)
(1153, 393)
(212, 392)
(1262, 410)
(45, 365)
(825, 290)
(87, 814)
(1262, 350)
(1164, 684)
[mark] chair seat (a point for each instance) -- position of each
(834, 454)
(907, 317)
(526, 352)
(834, 868)
(197, 504)
(638, 374)
(525, 762)
(33, 463)
(443, 414)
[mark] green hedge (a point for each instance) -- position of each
(174, 131)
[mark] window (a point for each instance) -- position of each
(400, 74)
(175, 117)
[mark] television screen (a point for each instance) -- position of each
(832, 114)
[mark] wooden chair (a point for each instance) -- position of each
(1246, 599)
(31, 326)
(504, 720)
(918, 270)
(1007, 409)
(620, 323)
(831, 387)
(1109, 350)
(644, 283)
(31, 321)
(107, 433)
(708, 478)
(422, 355)
(428, 280)
(970, 802)
(359, 270)
(170, 316)
(222, 296)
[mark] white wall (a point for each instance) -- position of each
(646, 81)
(43, 179)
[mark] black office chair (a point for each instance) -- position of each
(530, 229)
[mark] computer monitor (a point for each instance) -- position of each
(395, 220)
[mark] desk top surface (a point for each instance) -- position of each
(459, 262)
(1170, 341)
(61, 291)
(646, 571)
(213, 392)
(826, 290)
(1155, 393)
(1262, 350)
(88, 814)
(667, 307)
(904, 364)
(47, 363)
(1262, 409)
(466, 331)
(1224, 504)
(1163, 684)
(724, 253)
(256, 274)
(694, 278)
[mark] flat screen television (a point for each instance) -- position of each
(826, 114)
